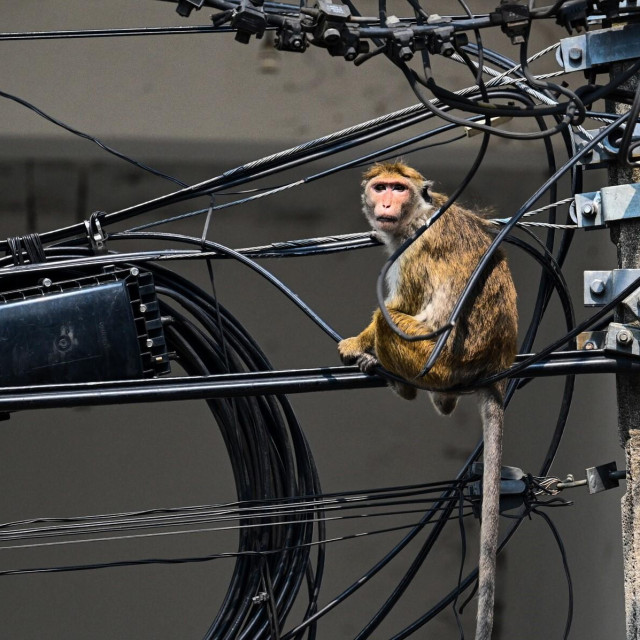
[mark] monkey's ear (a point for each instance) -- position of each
(426, 194)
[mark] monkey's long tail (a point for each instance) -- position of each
(492, 413)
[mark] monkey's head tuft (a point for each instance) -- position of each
(397, 168)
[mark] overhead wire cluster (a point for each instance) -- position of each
(281, 512)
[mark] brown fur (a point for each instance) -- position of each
(429, 278)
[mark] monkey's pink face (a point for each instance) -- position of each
(387, 200)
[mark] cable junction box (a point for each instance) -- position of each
(95, 328)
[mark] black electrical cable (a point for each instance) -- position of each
(545, 289)
(575, 108)
(627, 144)
(357, 162)
(565, 564)
(268, 452)
(445, 331)
(316, 149)
(91, 138)
(113, 33)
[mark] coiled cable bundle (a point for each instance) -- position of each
(270, 458)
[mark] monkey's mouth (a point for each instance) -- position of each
(386, 220)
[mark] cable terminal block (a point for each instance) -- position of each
(513, 487)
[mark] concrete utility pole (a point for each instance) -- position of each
(626, 236)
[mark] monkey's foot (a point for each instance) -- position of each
(367, 363)
(350, 350)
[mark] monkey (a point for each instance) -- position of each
(424, 284)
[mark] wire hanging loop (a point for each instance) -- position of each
(95, 234)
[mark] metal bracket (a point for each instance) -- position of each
(618, 339)
(599, 47)
(602, 153)
(601, 287)
(602, 477)
(596, 209)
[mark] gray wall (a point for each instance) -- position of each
(195, 106)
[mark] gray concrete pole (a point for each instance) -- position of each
(626, 237)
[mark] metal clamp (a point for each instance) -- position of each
(96, 236)
(599, 47)
(596, 209)
(601, 287)
(618, 339)
(604, 152)
(603, 477)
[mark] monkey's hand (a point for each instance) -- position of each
(351, 352)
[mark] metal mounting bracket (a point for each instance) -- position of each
(601, 287)
(599, 47)
(95, 233)
(602, 153)
(602, 477)
(596, 209)
(618, 339)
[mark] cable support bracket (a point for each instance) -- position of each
(600, 478)
(95, 234)
(618, 339)
(599, 48)
(607, 150)
(597, 209)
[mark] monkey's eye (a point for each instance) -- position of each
(379, 188)
(399, 187)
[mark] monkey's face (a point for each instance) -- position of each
(389, 200)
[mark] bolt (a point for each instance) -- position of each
(590, 346)
(134, 271)
(46, 282)
(350, 54)
(143, 308)
(405, 54)
(597, 287)
(575, 54)
(589, 210)
(331, 35)
(624, 337)
(149, 343)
